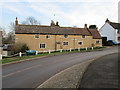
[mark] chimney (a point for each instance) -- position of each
(107, 21)
(57, 23)
(52, 23)
(16, 21)
(85, 26)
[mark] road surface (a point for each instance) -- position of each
(31, 74)
(102, 73)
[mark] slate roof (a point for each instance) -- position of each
(115, 25)
(56, 30)
(95, 33)
(39, 29)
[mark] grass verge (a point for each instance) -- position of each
(17, 58)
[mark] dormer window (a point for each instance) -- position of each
(65, 36)
(37, 36)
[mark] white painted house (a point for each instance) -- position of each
(111, 31)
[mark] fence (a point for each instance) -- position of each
(20, 54)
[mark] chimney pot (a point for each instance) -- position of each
(16, 21)
(85, 26)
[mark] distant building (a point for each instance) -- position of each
(1, 42)
(110, 31)
(54, 37)
(7, 49)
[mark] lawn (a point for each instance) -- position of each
(18, 58)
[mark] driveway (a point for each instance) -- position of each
(31, 74)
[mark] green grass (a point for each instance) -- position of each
(17, 58)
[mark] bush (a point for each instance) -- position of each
(107, 43)
(19, 47)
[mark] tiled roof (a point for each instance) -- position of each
(115, 25)
(95, 33)
(39, 29)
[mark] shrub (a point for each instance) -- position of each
(19, 47)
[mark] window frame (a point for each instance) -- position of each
(84, 36)
(47, 36)
(97, 41)
(42, 47)
(65, 36)
(37, 35)
(65, 42)
(80, 44)
(118, 38)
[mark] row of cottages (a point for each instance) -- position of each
(110, 31)
(54, 37)
(1, 42)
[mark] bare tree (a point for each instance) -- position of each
(10, 37)
(12, 27)
(3, 31)
(31, 21)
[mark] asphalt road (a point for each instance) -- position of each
(31, 74)
(102, 73)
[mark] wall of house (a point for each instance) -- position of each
(1, 50)
(108, 31)
(73, 41)
(34, 44)
(97, 44)
(117, 35)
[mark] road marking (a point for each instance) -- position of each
(20, 71)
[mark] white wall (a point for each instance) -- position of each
(117, 35)
(108, 31)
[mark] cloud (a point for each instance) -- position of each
(68, 13)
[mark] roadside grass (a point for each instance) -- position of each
(18, 58)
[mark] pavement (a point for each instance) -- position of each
(68, 78)
(102, 73)
(33, 73)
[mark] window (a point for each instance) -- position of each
(42, 45)
(37, 36)
(79, 43)
(118, 31)
(47, 36)
(65, 36)
(65, 43)
(83, 36)
(118, 38)
(97, 42)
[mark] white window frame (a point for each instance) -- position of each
(84, 37)
(97, 43)
(42, 43)
(65, 41)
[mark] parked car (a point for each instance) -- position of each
(112, 42)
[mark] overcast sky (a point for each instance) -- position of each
(67, 12)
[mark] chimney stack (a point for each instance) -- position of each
(57, 24)
(107, 20)
(52, 23)
(16, 21)
(85, 26)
